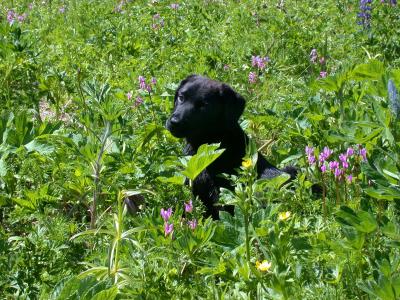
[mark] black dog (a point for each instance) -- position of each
(207, 111)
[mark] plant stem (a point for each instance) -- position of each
(119, 228)
(324, 196)
(97, 168)
(246, 231)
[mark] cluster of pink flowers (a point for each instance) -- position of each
(12, 16)
(144, 86)
(314, 58)
(339, 167)
(167, 213)
(252, 77)
(259, 63)
(158, 22)
(138, 101)
(188, 209)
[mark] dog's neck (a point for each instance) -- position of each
(232, 138)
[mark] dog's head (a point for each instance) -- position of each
(203, 106)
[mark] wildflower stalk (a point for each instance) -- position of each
(97, 169)
(324, 195)
(119, 229)
(246, 211)
(152, 107)
(337, 192)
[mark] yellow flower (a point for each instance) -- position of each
(247, 163)
(284, 215)
(264, 265)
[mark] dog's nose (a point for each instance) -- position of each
(173, 120)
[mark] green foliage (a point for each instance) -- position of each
(205, 155)
(86, 164)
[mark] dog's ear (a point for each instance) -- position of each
(183, 82)
(234, 104)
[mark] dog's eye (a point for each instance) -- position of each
(180, 99)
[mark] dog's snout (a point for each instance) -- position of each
(174, 120)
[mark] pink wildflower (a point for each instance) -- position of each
(168, 228)
(192, 224)
(252, 77)
(166, 214)
(189, 207)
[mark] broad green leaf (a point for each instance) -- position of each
(273, 183)
(383, 193)
(108, 294)
(392, 231)
(372, 70)
(368, 223)
(178, 179)
(39, 147)
(362, 221)
(205, 155)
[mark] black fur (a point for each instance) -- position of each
(207, 111)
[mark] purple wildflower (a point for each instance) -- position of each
(310, 155)
(11, 16)
(22, 17)
(349, 151)
(309, 150)
(142, 83)
(343, 157)
(350, 178)
(129, 95)
(363, 153)
(322, 60)
(192, 224)
(365, 14)
(259, 62)
(313, 56)
(62, 9)
(323, 74)
(30, 6)
(138, 101)
(333, 165)
(168, 228)
(189, 207)
(324, 155)
(175, 6)
(153, 81)
(252, 77)
(148, 88)
(337, 172)
(323, 168)
(226, 67)
(156, 16)
(166, 214)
